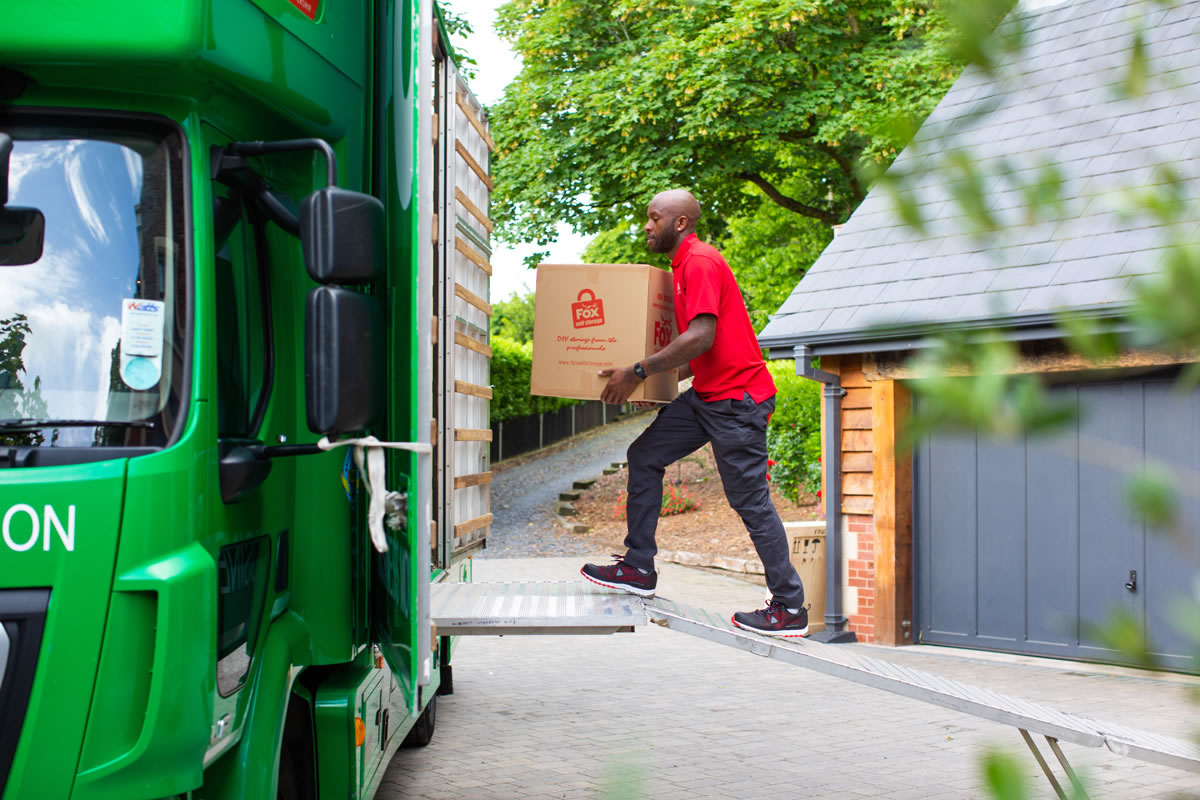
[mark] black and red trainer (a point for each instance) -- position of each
(774, 620)
(621, 576)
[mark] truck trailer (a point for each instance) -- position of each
(243, 391)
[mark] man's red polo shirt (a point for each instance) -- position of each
(704, 284)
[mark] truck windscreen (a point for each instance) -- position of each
(93, 333)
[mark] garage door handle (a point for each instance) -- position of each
(1131, 585)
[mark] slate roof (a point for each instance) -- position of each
(1056, 102)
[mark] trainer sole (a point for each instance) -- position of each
(787, 634)
(621, 586)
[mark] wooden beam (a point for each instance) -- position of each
(463, 340)
(856, 398)
(892, 508)
(472, 434)
(479, 171)
(463, 528)
(472, 209)
(478, 479)
(858, 483)
(436, 226)
(460, 244)
(857, 442)
(461, 100)
(434, 335)
(472, 298)
(857, 462)
(856, 504)
(856, 419)
(462, 387)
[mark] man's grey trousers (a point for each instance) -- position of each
(738, 432)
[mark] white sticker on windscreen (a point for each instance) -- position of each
(142, 327)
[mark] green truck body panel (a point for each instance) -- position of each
(182, 630)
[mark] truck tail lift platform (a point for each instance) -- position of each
(548, 607)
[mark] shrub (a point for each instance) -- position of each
(675, 500)
(794, 433)
(512, 365)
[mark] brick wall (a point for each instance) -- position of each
(860, 575)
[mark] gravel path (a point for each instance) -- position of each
(525, 494)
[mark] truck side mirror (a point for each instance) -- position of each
(344, 360)
(344, 236)
(22, 230)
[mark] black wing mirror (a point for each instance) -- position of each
(344, 236)
(344, 360)
(22, 230)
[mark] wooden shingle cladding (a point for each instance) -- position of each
(876, 502)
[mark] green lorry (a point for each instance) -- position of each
(234, 236)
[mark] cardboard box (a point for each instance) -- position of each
(588, 317)
(806, 544)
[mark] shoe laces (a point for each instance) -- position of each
(771, 605)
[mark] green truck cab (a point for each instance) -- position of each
(223, 229)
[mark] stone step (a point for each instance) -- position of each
(569, 496)
(584, 484)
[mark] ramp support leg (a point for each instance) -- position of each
(1062, 759)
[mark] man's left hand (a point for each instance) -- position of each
(621, 383)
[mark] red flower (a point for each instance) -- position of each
(768, 476)
(818, 494)
(818, 459)
(771, 463)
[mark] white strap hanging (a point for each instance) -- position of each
(368, 455)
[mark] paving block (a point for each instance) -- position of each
(569, 496)
(566, 510)
(583, 484)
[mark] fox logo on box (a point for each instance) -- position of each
(587, 313)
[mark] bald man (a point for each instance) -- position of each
(731, 399)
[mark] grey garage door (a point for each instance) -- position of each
(1026, 545)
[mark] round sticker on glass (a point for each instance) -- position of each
(140, 373)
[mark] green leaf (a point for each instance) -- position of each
(1004, 776)
(1151, 496)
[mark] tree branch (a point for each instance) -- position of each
(789, 203)
(846, 167)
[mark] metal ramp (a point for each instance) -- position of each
(533, 607)
(578, 607)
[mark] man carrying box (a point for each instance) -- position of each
(731, 399)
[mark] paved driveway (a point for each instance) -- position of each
(658, 714)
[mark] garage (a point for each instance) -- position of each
(1029, 545)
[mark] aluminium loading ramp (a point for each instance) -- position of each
(577, 607)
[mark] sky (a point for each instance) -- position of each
(498, 66)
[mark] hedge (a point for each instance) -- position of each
(512, 365)
(794, 433)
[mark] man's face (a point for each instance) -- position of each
(661, 236)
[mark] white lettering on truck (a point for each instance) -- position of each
(18, 538)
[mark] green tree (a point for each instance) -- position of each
(618, 101)
(513, 318)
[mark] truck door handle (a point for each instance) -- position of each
(1131, 584)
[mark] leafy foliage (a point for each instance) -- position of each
(16, 400)
(794, 433)
(675, 500)
(459, 27)
(618, 101)
(513, 318)
(512, 367)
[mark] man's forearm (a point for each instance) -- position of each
(690, 344)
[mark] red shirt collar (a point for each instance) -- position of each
(685, 249)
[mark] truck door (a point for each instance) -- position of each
(252, 522)
(462, 391)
